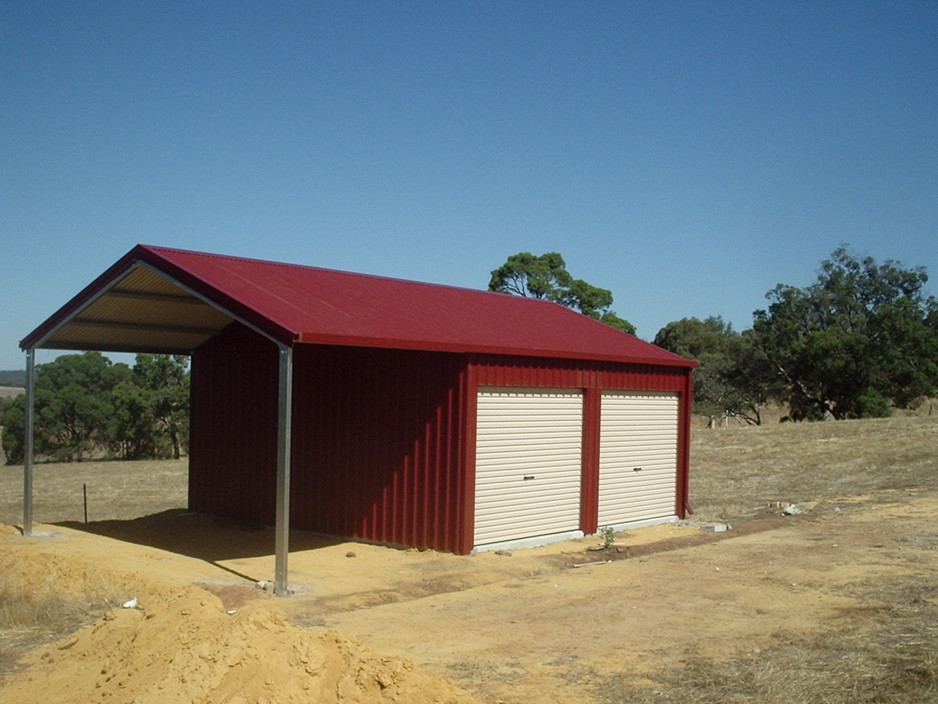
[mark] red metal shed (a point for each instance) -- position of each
(395, 411)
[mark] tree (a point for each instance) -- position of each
(546, 277)
(132, 435)
(721, 388)
(165, 381)
(14, 430)
(862, 337)
(74, 408)
(87, 406)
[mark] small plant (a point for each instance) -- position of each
(609, 536)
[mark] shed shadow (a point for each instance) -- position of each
(211, 539)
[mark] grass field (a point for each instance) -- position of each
(734, 471)
(888, 654)
(115, 490)
(891, 656)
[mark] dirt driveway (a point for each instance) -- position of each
(532, 625)
(544, 633)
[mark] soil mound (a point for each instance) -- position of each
(178, 643)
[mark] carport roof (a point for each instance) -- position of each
(156, 299)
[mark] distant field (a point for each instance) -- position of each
(115, 490)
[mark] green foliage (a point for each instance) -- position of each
(864, 335)
(165, 383)
(721, 386)
(546, 277)
(74, 404)
(609, 536)
(14, 430)
(86, 406)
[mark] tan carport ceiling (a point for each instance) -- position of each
(143, 311)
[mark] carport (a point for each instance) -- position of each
(144, 304)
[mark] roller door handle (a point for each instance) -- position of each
(528, 477)
(636, 469)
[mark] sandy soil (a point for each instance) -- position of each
(370, 623)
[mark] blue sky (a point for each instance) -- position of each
(688, 156)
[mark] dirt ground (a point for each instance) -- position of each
(369, 623)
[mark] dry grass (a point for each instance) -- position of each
(29, 620)
(735, 472)
(884, 654)
(889, 657)
(116, 490)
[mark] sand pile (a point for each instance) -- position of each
(179, 643)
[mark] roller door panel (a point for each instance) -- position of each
(528, 463)
(637, 456)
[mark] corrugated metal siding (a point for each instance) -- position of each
(528, 463)
(593, 377)
(563, 373)
(233, 444)
(384, 441)
(638, 457)
(589, 491)
(376, 435)
(376, 445)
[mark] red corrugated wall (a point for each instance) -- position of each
(377, 451)
(377, 448)
(491, 370)
(233, 427)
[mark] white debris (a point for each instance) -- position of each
(792, 510)
(590, 564)
(719, 528)
(132, 604)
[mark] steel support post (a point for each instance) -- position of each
(284, 432)
(28, 448)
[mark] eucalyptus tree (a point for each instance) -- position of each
(861, 338)
(546, 277)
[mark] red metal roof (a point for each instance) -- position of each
(293, 303)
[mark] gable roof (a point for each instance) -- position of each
(156, 299)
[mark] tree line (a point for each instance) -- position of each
(859, 341)
(13, 377)
(88, 407)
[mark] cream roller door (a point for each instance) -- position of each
(528, 463)
(637, 456)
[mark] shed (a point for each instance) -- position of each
(394, 411)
